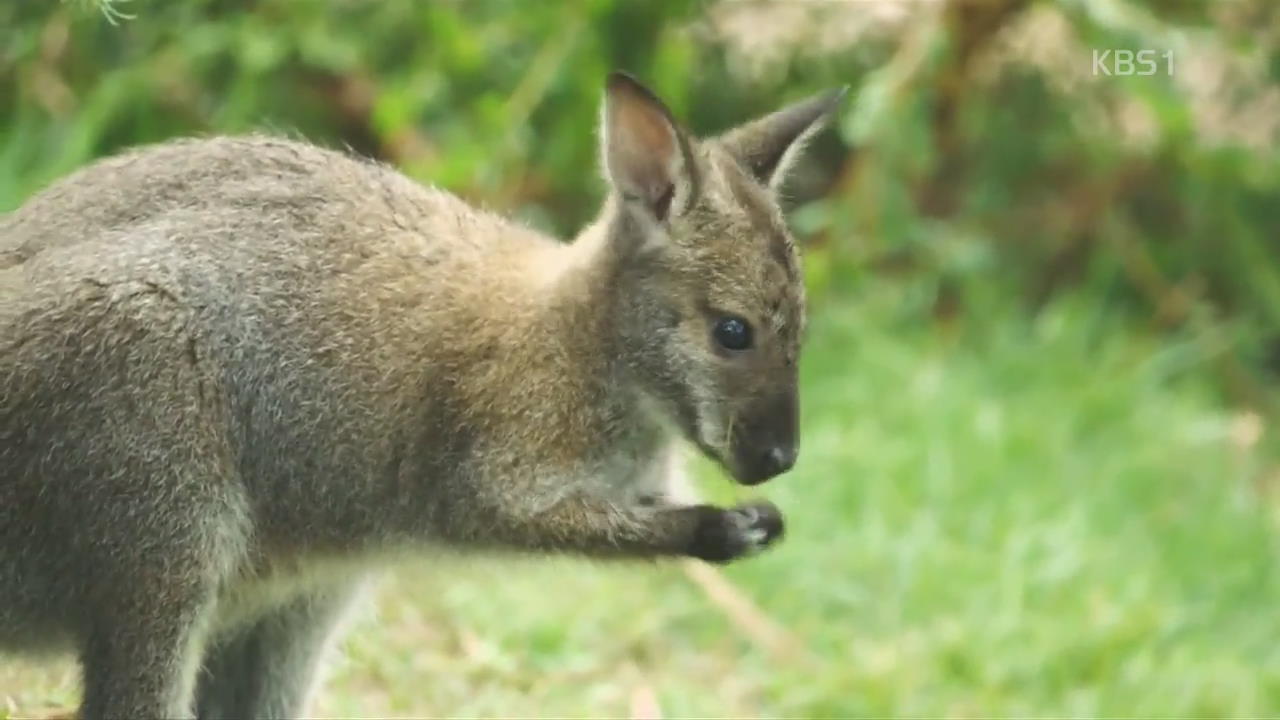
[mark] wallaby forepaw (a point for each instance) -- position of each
(725, 535)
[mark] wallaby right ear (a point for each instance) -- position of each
(646, 157)
(767, 147)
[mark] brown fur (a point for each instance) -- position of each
(233, 370)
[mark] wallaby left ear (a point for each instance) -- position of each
(646, 156)
(769, 145)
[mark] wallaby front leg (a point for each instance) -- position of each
(596, 527)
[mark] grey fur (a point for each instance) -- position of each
(235, 371)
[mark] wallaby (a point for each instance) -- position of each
(236, 372)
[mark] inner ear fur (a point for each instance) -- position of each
(647, 158)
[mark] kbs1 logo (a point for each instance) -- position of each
(1130, 62)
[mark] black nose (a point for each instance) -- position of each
(779, 460)
(768, 464)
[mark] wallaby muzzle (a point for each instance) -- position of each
(766, 438)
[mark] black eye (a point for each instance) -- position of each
(733, 333)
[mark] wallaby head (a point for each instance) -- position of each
(709, 300)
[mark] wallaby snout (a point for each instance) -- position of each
(766, 441)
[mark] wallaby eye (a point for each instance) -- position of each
(733, 333)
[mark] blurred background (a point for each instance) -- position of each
(1040, 474)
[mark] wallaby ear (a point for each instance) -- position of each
(646, 157)
(768, 146)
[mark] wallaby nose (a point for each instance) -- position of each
(768, 464)
(765, 441)
(779, 459)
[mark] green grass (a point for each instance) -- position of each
(1054, 518)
